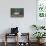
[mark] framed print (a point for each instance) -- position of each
(17, 12)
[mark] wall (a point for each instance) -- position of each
(24, 23)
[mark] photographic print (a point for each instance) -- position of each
(17, 12)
